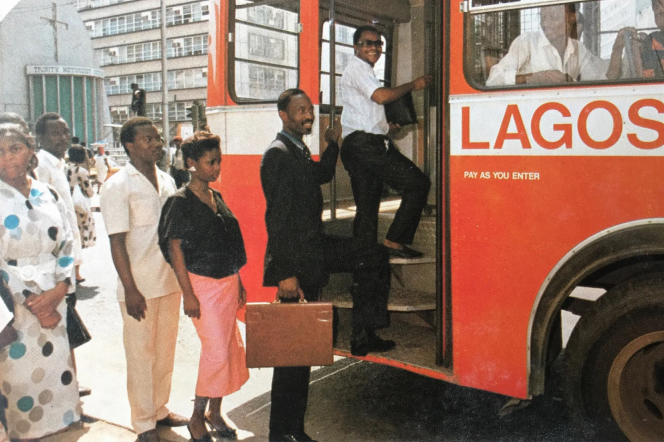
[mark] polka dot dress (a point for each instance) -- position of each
(37, 377)
(78, 176)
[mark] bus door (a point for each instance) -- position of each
(412, 37)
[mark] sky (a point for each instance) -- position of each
(6, 6)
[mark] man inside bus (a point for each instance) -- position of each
(369, 155)
(647, 50)
(299, 256)
(552, 56)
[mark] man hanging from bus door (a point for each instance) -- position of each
(299, 256)
(368, 153)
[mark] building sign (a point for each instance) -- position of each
(64, 70)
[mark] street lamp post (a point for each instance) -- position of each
(164, 77)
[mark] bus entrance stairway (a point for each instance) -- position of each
(412, 301)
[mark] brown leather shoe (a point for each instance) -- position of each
(173, 420)
(148, 436)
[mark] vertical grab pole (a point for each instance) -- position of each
(333, 101)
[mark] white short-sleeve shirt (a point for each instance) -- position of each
(130, 203)
(532, 52)
(360, 112)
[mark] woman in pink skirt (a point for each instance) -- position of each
(201, 239)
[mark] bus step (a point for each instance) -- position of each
(403, 261)
(401, 299)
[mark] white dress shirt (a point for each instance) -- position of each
(51, 170)
(360, 112)
(532, 52)
(130, 203)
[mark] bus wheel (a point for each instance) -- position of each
(614, 364)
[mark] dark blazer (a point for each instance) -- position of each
(291, 184)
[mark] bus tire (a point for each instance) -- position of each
(614, 364)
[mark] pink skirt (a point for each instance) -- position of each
(222, 369)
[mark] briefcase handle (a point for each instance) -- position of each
(298, 300)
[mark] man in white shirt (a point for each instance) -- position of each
(52, 133)
(149, 295)
(369, 155)
(551, 56)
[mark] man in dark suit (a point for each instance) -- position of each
(300, 257)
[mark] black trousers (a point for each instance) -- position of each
(372, 160)
(371, 285)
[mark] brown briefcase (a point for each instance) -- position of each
(289, 334)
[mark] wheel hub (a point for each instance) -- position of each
(636, 388)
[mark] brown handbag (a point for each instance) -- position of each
(289, 334)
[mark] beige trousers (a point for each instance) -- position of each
(150, 351)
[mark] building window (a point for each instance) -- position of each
(186, 46)
(191, 13)
(122, 85)
(178, 47)
(177, 111)
(119, 114)
(142, 21)
(266, 49)
(129, 53)
(89, 4)
(187, 78)
(344, 52)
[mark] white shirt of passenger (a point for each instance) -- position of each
(532, 52)
(360, 112)
(130, 203)
(51, 171)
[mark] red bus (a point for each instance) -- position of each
(546, 204)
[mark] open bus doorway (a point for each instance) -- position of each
(409, 31)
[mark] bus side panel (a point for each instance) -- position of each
(509, 233)
(240, 185)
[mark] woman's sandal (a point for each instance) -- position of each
(226, 433)
(205, 438)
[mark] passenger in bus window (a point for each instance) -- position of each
(653, 51)
(369, 155)
(648, 50)
(551, 55)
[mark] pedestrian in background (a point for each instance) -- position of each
(201, 239)
(179, 171)
(102, 166)
(37, 376)
(53, 137)
(81, 191)
(149, 295)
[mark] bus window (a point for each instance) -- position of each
(264, 56)
(594, 41)
(345, 51)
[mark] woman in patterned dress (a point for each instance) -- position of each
(78, 176)
(37, 377)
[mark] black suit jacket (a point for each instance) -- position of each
(291, 184)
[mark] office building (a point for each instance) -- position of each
(126, 35)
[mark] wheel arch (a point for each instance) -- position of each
(613, 245)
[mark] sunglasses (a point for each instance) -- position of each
(369, 43)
